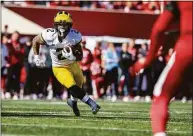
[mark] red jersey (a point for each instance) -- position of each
(86, 60)
(16, 52)
(97, 53)
(96, 69)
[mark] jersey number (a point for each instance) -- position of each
(50, 30)
(59, 51)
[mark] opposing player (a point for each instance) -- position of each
(178, 65)
(65, 51)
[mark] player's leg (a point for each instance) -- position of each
(166, 88)
(78, 92)
(65, 77)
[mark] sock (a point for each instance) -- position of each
(159, 114)
(73, 98)
(160, 134)
(86, 99)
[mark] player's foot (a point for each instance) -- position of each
(73, 105)
(95, 109)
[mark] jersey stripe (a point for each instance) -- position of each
(159, 85)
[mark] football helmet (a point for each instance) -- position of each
(63, 23)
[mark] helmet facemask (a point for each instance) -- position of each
(63, 28)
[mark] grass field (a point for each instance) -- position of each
(54, 118)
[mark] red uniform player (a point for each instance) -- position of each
(179, 64)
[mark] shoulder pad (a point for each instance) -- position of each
(76, 36)
(47, 35)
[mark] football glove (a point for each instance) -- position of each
(138, 67)
(68, 54)
(38, 61)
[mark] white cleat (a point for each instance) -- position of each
(125, 99)
(15, 97)
(147, 99)
(114, 98)
(184, 100)
(7, 95)
(137, 98)
(34, 97)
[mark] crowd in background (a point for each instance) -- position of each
(127, 6)
(106, 71)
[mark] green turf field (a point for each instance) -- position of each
(54, 118)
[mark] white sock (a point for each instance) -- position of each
(85, 98)
(73, 98)
(160, 134)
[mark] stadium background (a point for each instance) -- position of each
(102, 23)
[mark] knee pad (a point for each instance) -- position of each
(77, 92)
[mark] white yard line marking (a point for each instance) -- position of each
(15, 135)
(101, 112)
(96, 120)
(88, 127)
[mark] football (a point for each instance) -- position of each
(77, 52)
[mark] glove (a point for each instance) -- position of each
(39, 62)
(138, 67)
(68, 54)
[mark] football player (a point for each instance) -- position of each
(178, 66)
(65, 51)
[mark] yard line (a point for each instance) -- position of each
(15, 135)
(101, 112)
(88, 127)
(97, 120)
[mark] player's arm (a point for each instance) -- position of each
(157, 36)
(36, 42)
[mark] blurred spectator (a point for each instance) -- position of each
(27, 85)
(110, 63)
(141, 79)
(4, 63)
(85, 67)
(97, 51)
(127, 6)
(125, 62)
(85, 4)
(97, 78)
(16, 61)
(158, 66)
(169, 54)
(5, 32)
(118, 5)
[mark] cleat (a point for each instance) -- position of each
(73, 105)
(95, 109)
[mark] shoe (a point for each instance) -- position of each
(34, 97)
(15, 97)
(114, 98)
(7, 95)
(184, 100)
(73, 105)
(147, 99)
(137, 98)
(95, 109)
(125, 99)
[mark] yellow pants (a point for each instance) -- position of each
(69, 75)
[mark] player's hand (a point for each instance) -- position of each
(68, 54)
(38, 61)
(138, 67)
